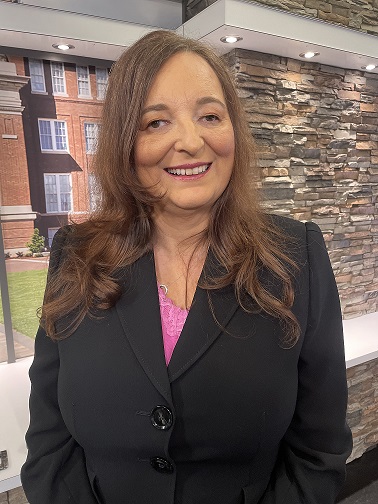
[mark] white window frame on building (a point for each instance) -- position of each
(51, 233)
(83, 81)
(102, 76)
(60, 198)
(37, 76)
(91, 131)
(58, 78)
(53, 135)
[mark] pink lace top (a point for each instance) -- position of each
(172, 321)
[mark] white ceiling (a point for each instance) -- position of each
(163, 13)
(101, 30)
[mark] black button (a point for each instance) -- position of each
(161, 418)
(161, 465)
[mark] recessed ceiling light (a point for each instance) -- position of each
(309, 54)
(231, 39)
(63, 47)
(369, 67)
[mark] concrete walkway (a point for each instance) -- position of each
(26, 264)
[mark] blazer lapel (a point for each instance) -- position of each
(139, 313)
(200, 329)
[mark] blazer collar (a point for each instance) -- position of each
(139, 312)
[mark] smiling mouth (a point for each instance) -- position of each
(196, 170)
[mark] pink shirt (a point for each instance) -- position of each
(172, 321)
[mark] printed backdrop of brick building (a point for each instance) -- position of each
(61, 108)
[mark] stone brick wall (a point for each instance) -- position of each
(363, 406)
(316, 128)
(357, 14)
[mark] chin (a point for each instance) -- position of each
(192, 205)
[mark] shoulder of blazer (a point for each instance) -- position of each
(294, 238)
(289, 226)
(60, 240)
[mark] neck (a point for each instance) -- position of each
(179, 233)
(179, 253)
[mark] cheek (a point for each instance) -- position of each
(148, 176)
(140, 153)
(224, 145)
(148, 170)
(149, 152)
(143, 175)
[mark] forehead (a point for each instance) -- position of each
(184, 76)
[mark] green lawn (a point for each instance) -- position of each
(26, 290)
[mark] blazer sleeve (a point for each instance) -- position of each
(54, 471)
(311, 466)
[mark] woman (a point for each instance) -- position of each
(191, 349)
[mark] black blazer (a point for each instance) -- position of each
(235, 418)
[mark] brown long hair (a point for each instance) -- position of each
(120, 231)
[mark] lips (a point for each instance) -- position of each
(188, 170)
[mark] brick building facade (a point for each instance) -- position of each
(61, 114)
(16, 211)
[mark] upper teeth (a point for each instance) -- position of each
(188, 171)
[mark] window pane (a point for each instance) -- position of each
(65, 202)
(65, 193)
(45, 135)
(58, 192)
(57, 73)
(91, 134)
(37, 76)
(60, 135)
(51, 193)
(83, 80)
(52, 203)
(64, 182)
(53, 135)
(51, 233)
(102, 82)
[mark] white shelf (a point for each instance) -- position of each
(361, 339)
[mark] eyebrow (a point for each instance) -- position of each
(201, 101)
(210, 99)
(153, 108)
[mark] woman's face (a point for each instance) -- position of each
(185, 145)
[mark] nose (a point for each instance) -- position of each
(189, 138)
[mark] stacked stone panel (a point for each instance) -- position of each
(362, 411)
(316, 129)
(15, 496)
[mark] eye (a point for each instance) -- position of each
(156, 123)
(211, 118)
